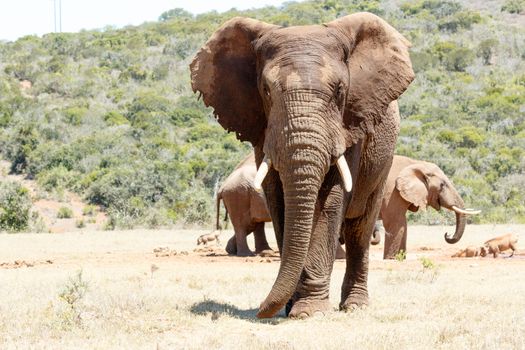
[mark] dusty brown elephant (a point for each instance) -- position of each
(247, 210)
(411, 185)
(319, 105)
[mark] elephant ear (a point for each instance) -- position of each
(224, 72)
(411, 184)
(379, 66)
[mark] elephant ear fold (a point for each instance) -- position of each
(411, 185)
(224, 72)
(379, 66)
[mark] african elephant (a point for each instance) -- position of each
(411, 185)
(319, 105)
(247, 210)
(246, 207)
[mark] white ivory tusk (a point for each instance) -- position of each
(465, 211)
(342, 165)
(261, 173)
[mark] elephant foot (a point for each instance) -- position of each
(354, 302)
(231, 246)
(245, 253)
(303, 308)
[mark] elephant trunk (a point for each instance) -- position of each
(302, 177)
(461, 222)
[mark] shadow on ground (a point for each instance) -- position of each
(217, 309)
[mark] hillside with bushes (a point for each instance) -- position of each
(110, 114)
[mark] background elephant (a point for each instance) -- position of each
(247, 210)
(411, 185)
(319, 105)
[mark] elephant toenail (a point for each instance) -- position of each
(318, 313)
(303, 315)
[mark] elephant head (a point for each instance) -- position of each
(423, 184)
(302, 95)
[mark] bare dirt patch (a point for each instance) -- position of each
(135, 292)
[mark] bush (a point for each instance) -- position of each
(15, 206)
(513, 6)
(64, 213)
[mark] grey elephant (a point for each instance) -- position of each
(319, 105)
(413, 185)
(247, 210)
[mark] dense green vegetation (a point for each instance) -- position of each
(110, 114)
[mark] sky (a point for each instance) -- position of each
(25, 17)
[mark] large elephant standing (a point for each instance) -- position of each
(412, 185)
(311, 100)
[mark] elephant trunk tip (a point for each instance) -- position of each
(268, 309)
(451, 240)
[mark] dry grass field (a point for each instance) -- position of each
(109, 289)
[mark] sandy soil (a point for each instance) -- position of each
(153, 289)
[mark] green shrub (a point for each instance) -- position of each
(15, 206)
(513, 6)
(89, 210)
(65, 213)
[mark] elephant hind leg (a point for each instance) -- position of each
(231, 246)
(242, 244)
(395, 237)
(261, 244)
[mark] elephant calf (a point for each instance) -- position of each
(411, 185)
(499, 244)
(210, 237)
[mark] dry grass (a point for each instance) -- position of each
(136, 300)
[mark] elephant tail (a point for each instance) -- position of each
(217, 224)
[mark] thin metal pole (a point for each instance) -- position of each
(60, 14)
(55, 13)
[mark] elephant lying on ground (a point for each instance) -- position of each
(499, 244)
(413, 185)
(319, 105)
(247, 210)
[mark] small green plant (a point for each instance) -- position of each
(80, 223)
(89, 210)
(429, 268)
(427, 263)
(401, 255)
(64, 213)
(72, 294)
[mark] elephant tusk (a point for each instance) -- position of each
(261, 173)
(465, 211)
(342, 165)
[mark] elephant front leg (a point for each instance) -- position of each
(358, 231)
(312, 293)
(354, 291)
(395, 237)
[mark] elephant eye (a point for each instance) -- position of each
(339, 93)
(266, 90)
